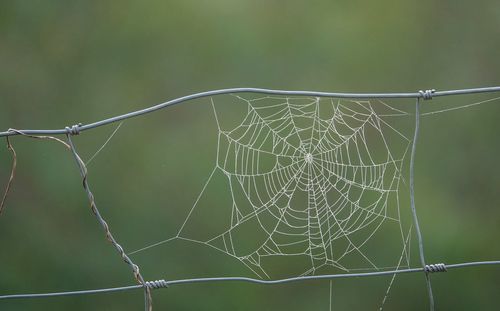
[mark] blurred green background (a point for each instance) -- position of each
(67, 62)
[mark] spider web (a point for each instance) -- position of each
(310, 180)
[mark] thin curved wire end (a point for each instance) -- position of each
(12, 174)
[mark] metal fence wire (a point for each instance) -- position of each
(69, 132)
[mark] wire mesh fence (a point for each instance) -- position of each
(312, 178)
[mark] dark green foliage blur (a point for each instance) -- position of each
(64, 62)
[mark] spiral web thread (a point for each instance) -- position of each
(310, 178)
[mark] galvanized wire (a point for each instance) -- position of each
(442, 266)
(412, 201)
(419, 94)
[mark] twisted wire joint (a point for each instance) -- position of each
(156, 284)
(427, 94)
(73, 130)
(439, 267)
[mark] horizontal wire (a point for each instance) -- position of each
(421, 94)
(252, 280)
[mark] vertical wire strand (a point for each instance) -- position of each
(135, 269)
(331, 295)
(412, 203)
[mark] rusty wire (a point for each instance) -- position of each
(12, 174)
(84, 173)
(109, 236)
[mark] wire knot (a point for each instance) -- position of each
(427, 94)
(74, 130)
(439, 267)
(156, 284)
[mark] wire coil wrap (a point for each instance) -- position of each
(439, 267)
(427, 94)
(156, 284)
(73, 130)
